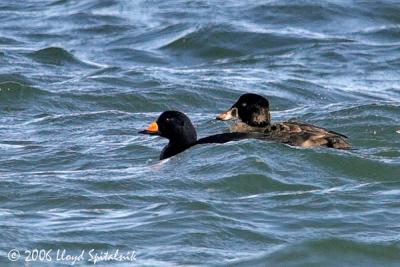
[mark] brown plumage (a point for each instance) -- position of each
(297, 134)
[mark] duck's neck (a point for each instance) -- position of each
(259, 123)
(260, 119)
(176, 147)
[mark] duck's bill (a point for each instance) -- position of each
(152, 129)
(228, 115)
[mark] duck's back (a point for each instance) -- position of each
(306, 135)
(296, 134)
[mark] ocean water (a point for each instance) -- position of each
(79, 79)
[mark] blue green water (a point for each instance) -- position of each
(79, 79)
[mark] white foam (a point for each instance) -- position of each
(10, 146)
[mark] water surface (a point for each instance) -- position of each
(79, 79)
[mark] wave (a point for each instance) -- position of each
(144, 57)
(9, 41)
(218, 41)
(381, 35)
(57, 56)
(69, 119)
(252, 183)
(104, 29)
(12, 90)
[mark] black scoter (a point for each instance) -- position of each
(253, 112)
(179, 130)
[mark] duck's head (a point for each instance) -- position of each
(175, 126)
(251, 109)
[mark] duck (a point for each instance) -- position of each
(252, 112)
(179, 130)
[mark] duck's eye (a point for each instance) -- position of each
(169, 120)
(244, 104)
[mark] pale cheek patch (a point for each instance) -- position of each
(229, 115)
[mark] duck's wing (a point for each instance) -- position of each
(314, 128)
(307, 135)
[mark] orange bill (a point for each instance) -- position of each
(151, 129)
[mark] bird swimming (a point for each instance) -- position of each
(253, 112)
(179, 130)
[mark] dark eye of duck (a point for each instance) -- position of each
(244, 104)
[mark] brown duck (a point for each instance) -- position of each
(253, 112)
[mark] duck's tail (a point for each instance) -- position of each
(337, 142)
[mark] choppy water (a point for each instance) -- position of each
(78, 79)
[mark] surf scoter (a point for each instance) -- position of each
(253, 112)
(179, 130)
